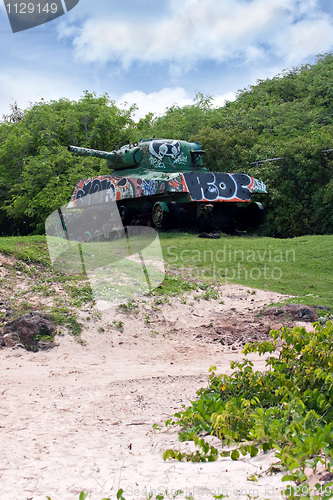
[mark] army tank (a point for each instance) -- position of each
(163, 183)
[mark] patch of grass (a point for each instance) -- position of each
(297, 266)
(128, 307)
(30, 249)
(175, 285)
(44, 336)
(80, 292)
(63, 316)
(119, 325)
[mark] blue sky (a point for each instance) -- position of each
(160, 53)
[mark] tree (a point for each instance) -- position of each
(37, 173)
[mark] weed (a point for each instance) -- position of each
(146, 317)
(161, 300)
(81, 293)
(128, 308)
(210, 293)
(119, 325)
(63, 316)
(40, 286)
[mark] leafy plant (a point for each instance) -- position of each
(128, 307)
(288, 407)
(119, 325)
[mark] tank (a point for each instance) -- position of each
(163, 183)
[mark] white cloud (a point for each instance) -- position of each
(306, 37)
(220, 100)
(158, 102)
(155, 102)
(201, 29)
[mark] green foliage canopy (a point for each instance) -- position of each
(37, 173)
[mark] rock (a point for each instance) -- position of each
(10, 339)
(34, 330)
(214, 236)
(295, 312)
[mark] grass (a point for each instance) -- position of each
(299, 266)
(31, 279)
(29, 249)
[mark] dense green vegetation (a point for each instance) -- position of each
(37, 173)
(289, 117)
(288, 407)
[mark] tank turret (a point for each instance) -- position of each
(162, 154)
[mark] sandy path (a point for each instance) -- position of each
(79, 417)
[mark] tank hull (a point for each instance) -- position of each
(185, 198)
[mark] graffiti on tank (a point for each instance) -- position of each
(177, 184)
(180, 160)
(163, 153)
(259, 186)
(148, 188)
(110, 189)
(219, 186)
(203, 186)
(124, 188)
(160, 149)
(92, 186)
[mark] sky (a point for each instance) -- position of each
(159, 53)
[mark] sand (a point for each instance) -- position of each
(79, 417)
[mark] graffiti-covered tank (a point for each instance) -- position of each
(163, 183)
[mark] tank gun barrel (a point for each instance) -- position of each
(108, 155)
(126, 157)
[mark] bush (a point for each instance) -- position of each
(288, 407)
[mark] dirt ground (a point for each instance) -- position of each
(79, 417)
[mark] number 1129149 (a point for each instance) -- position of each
(31, 8)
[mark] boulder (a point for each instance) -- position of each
(33, 331)
(292, 312)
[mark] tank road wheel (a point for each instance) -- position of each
(160, 214)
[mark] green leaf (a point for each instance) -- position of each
(254, 451)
